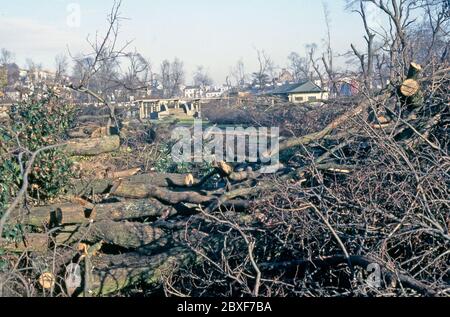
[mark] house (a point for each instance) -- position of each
(193, 92)
(300, 92)
(307, 92)
(214, 94)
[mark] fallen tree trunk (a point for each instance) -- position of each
(103, 186)
(93, 146)
(114, 273)
(307, 139)
(165, 179)
(100, 119)
(123, 174)
(144, 190)
(78, 134)
(76, 213)
(127, 235)
(33, 242)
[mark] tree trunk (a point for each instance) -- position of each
(73, 213)
(127, 235)
(410, 90)
(143, 190)
(414, 71)
(114, 273)
(92, 147)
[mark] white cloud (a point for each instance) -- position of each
(28, 38)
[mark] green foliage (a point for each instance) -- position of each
(34, 124)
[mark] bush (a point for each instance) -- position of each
(34, 124)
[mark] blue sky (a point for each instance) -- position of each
(213, 33)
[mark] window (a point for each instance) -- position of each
(298, 99)
(312, 98)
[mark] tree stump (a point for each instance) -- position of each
(410, 90)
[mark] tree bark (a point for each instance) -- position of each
(144, 190)
(410, 90)
(123, 234)
(414, 71)
(93, 147)
(103, 186)
(73, 213)
(114, 273)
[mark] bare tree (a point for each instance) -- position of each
(327, 57)
(312, 48)
(139, 74)
(202, 78)
(400, 17)
(33, 69)
(177, 76)
(6, 57)
(300, 67)
(101, 64)
(238, 73)
(265, 68)
(172, 76)
(417, 31)
(431, 39)
(165, 77)
(366, 66)
(61, 67)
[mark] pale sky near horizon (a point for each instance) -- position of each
(213, 33)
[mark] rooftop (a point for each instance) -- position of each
(303, 87)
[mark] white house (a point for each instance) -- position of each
(193, 92)
(214, 94)
(304, 92)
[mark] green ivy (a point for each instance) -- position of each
(36, 123)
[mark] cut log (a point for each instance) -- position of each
(414, 71)
(224, 168)
(412, 96)
(86, 186)
(143, 190)
(123, 174)
(409, 87)
(244, 175)
(32, 243)
(124, 234)
(78, 134)
(410, 90)
(75, 213)
(92, 147)
(113, 273)
(97, 119)
(165, 179)
(100, 132)
(103, 186)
